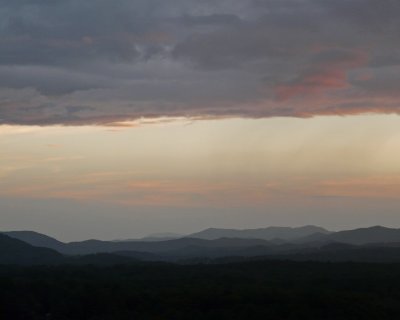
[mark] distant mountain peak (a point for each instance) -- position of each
(378, 227)
(266, 233)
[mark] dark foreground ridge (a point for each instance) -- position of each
(343, 275)
(252, 290)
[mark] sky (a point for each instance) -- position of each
(124, 118)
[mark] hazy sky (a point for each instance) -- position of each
(127, 117)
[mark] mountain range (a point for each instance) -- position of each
(379, 244)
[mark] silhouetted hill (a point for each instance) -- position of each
(36, 239)
(344, 253)
(155, 237)
(14, 251)
(314, 238)
(141, 256)
(101, 259)
(376, 234)
(270, 233)
(96, 246)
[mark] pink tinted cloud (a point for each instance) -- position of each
(112, 188)
(362, 187)
(327, 74)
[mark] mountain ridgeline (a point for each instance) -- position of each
(36, 239)
(270, 233)
(283, 275)
(14, 251)
(373, 244)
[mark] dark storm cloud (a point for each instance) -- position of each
(99, 61)
(63, 32)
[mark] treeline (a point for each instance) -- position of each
(246, 290)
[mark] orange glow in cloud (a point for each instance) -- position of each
(313, 84)
(321, 77)
(222, 194)
(384, 187)
(151, 192)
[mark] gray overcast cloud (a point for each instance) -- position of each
(101, 61)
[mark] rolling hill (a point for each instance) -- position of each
(36, 239)
(14, 251)
(362, 236)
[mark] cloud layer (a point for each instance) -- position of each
(100, 62)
